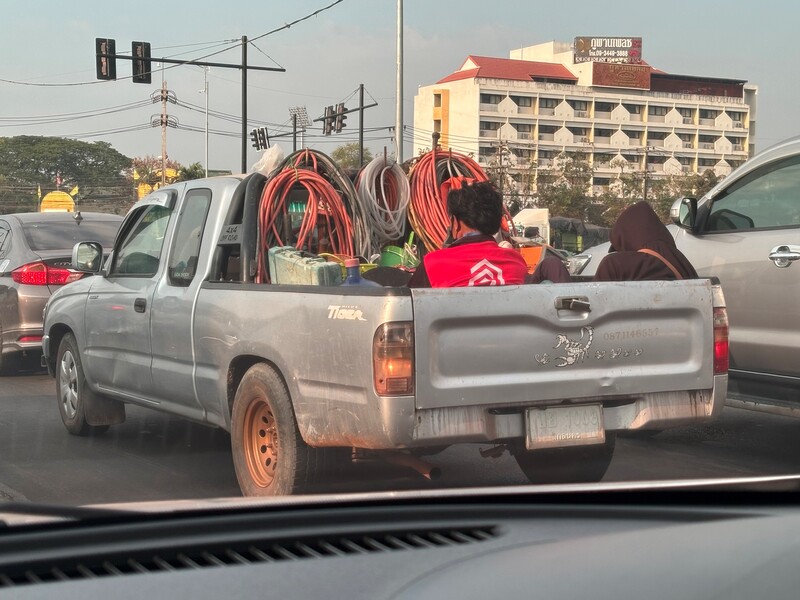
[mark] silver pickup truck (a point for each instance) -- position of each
(306, 376)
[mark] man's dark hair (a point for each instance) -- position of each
(478, 205)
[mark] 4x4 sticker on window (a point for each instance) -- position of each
(576, 351)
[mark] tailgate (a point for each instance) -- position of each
(524, 344)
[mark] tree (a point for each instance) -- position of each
(29, 162)
(193, 171)
(347, 156)
(564, 188)
(146, 173)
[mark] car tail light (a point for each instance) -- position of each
(39, 273)
(393, 359)
(721, 357)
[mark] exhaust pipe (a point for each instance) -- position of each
(427, 470)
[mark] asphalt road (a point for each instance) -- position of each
(153, 456)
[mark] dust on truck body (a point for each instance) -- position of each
(304, 376)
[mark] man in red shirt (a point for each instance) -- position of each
(474, 258)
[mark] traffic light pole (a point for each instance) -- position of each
(106, 69)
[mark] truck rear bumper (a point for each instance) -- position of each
(403, 426)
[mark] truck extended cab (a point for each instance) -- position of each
(303, 376)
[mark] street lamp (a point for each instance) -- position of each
(205, 91)
(299, 116)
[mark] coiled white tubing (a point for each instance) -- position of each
(385, 225)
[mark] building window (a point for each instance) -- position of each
(659, 111)
(437, 100)
(491, 99)
(526, 127)
(437, 125)
(548, 102)
(490, 125)
(634, 109)
(521, 101)
(708, 114)
(603, 107)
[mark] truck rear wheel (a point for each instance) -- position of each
(72, 390)
(269, 454)
(576, 464)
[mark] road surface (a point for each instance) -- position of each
(153, 456)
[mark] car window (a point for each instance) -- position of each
(139, 254)
(58, 235)
(765, 199)
(189, 232)
(5, 238)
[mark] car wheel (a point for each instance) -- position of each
(72, 390)
(269, 454)
(576, 464)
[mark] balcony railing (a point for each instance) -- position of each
(490, 133)
(582, 114)
(547, 111)
(524, 135)
(547, 137)
(488, 107)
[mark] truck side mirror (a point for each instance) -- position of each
(684, 212)
(87, 257)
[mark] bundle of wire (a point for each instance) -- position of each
(331, 199)
(427, 211)
(383, 193)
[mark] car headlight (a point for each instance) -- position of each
(578, 263)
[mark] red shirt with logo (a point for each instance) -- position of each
(474, 260)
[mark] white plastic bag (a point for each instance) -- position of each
(269, 161)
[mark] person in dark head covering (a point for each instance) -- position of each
(642, 248)
(551, 269)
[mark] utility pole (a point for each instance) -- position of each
(163, 132)
(244, 104)
(294, 132)
(205, 90)
(644, 182)
(361, 125)
(398, 126)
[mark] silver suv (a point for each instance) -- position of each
(746, 232)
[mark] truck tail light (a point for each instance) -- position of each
(721, 357)
(393, 359)
(38, 273)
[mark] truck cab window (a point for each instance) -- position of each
(182, 264)
(139, 254)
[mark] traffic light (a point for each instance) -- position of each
(260, 137)
(140, 51)
(106, 65)
(340, 118)
(327, 121)
(263, 138)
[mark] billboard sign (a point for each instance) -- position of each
(621, 76)
(608, 49)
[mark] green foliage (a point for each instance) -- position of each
(563, 188)
(29, 162)
(193, 171)
(347, 156)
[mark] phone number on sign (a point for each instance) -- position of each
(634, 334)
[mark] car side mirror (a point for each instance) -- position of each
(87, 257)
(684, 212)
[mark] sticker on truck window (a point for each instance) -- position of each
(574, 351)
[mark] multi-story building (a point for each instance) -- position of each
(540, 102)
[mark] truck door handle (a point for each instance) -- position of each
(139, 305)
(783, 256)
(576, 303)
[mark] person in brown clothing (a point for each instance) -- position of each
(642, 249)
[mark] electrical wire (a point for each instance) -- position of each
(427, 211)
(384, 193)
(326, 214)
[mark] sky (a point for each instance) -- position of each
(48, 85)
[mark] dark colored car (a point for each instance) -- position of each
(35, 256)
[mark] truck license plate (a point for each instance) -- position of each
(564, 426)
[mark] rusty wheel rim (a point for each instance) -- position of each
(261, 442)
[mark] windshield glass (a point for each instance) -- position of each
(427, 249)
(64, 235)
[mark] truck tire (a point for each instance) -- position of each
(576, 464)
(72, 391)
(269, 454)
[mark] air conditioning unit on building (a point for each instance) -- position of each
(738, 125)
(581, 114)
(584, 139)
